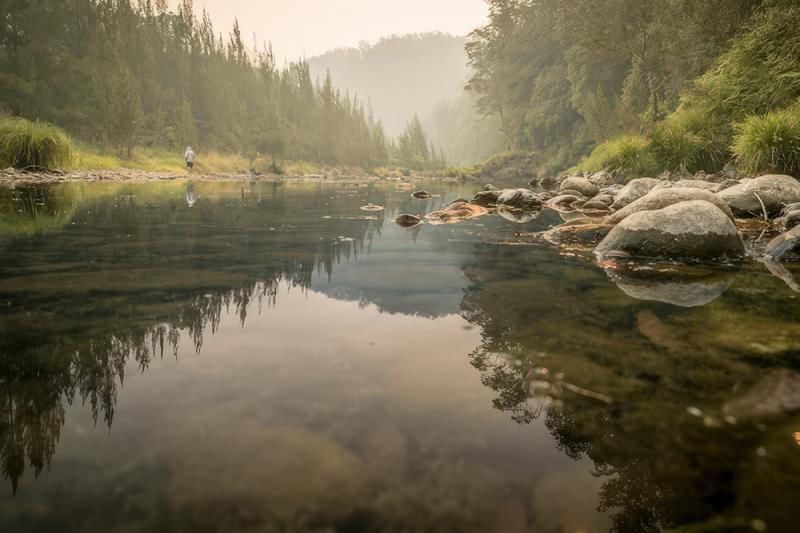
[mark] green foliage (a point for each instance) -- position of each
(628, 154)
(770, 142)
(128, 74)
(25, 144)
(682, 144)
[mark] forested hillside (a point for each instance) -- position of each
(122, 74)
(654, 84)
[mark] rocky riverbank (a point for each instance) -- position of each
(719, 219)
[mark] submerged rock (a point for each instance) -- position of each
(520, 216)
(372, 207)
(582, 185)
(457, 211)
(661, 198)
(774, 191)
(775, 394)
(408, 221)
(577, 232)
(634, 190)
(694, 229)
(421, 195)
(520, 199)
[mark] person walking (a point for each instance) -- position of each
(189, 157)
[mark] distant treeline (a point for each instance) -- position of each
(121, 74)
(681, 76)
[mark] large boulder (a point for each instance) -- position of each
(487, 198)
(582, 185)
(519, 199)
(634, 190)
(693, 230)
(774, 191)
(661, 198)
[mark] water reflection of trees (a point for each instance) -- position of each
(638, 387)
(57, 348)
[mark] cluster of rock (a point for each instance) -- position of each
(652, 218)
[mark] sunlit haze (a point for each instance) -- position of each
(300, 28)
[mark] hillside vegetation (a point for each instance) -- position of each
(124, 74)
(643, 86)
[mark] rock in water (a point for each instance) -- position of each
(775, 394)
(408, 221)
(372, 207)
(520, 199)
(634, 190)
(783, 243)
(487, 198)
(582, 185)
(661, 198)
(421, 195)
(457, 211)
(692, 230)
(775, 191)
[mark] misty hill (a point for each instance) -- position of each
(399, 75)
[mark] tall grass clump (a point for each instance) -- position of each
(770, 142)
(33, 145)
(629, 154)
(687, 142)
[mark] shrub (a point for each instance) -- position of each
(770, 143)
(34, 145)
(629, 154)
(687, 143)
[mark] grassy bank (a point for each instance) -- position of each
(745, 109)
(33, 145)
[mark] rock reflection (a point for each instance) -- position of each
(678, 285)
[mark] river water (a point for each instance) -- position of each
(235, 356)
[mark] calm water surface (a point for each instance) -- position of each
(232, 356)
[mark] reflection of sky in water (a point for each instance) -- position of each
(334, 368)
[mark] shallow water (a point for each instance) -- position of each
(273, 358)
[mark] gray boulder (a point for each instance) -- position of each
(519, 199)
(694, 229)
(774, 191)
(634, 190)
(582, 185)
(661, 198)
(688, 184)
(487, 198)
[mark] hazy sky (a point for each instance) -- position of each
(311, 27)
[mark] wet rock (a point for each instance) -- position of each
(421, 195)
(457, 211)
(726, 184)
(634, 190)
(520, 199)
(577, 232)
(688, 184)
(605, 198)
(490, 187)
(785, 242)
(573, 192)
(775, 394)
(408, 221)
(693, 229)
(774, 191)
(563, 202)
(792, 219)
(789, 208)
(661, 198)
(582, 185)
(683, 286)
(596, 205)
(372, 207)
(487, 198)
(520, 216)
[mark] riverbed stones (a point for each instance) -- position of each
(774, 191)
(776, 393)
(563, 202)
(519, 199)
(579, 184)
(457, 211)
(408, 221)
(487, 198)
(694, 229)
(783, 243)
(634, 190)
(661, 198)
